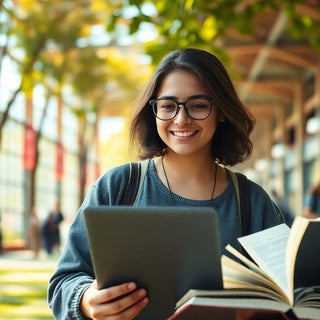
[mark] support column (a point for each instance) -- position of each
(299, 120)
(281, 116)
(59, 152)
(317, 110)
(96, 146)
(268, 145)
(29, 155)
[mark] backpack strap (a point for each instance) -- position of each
(144, 167)
(132, 184)
(137, 173)
(245, 205)
(242, 187)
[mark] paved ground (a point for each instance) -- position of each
(24, 258)
(23, 285)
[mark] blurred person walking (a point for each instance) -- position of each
(51, 230)
(312, 203)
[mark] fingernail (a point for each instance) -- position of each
(142, 292)
(131, 286)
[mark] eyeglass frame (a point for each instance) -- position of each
(153, 102)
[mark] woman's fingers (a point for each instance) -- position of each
(127, 304)
(111, 293)
(124, 300)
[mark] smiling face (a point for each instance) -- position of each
(182, 134)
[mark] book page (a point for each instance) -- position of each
(298, 228)
(268, 250)
(249, 263)
(235, 275)
(229, 293)
(234, 270)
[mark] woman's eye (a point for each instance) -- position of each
(168, 106)
(198, 106)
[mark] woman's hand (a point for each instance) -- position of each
(119, 302)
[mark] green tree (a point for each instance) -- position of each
(36, 27)
(40, 36)
(104, 91)
(202, 23)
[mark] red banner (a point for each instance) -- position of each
(59, 163)
(29, 152)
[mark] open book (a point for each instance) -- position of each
(281, 282)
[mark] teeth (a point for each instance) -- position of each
(183, 134)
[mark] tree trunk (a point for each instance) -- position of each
(27, 70)
(32, 191)
(82, 156)
(82, 171)
(5, 114)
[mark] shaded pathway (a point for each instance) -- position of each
(23, 286)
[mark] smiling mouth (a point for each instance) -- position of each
(188, 133)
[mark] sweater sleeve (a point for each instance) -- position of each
(74, 272)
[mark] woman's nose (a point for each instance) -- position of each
(182, 116)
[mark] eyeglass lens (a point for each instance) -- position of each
(198, 108)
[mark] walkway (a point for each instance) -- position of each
(23, 286)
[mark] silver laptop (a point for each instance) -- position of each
(166, 250)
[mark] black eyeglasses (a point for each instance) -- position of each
(197, 108)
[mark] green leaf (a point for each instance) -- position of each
(134, 25)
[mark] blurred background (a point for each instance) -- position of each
(70, 72)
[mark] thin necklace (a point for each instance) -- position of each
(214, 183)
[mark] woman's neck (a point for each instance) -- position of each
(196, 165)
(190, 177)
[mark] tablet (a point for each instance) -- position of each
(166, 250)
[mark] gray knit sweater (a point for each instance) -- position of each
(74, 271)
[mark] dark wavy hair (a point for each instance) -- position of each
(231, 142)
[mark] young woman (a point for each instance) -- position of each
(190, 124)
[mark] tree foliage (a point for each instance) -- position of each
(36, 28)
(201, 23)
(50, 43)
